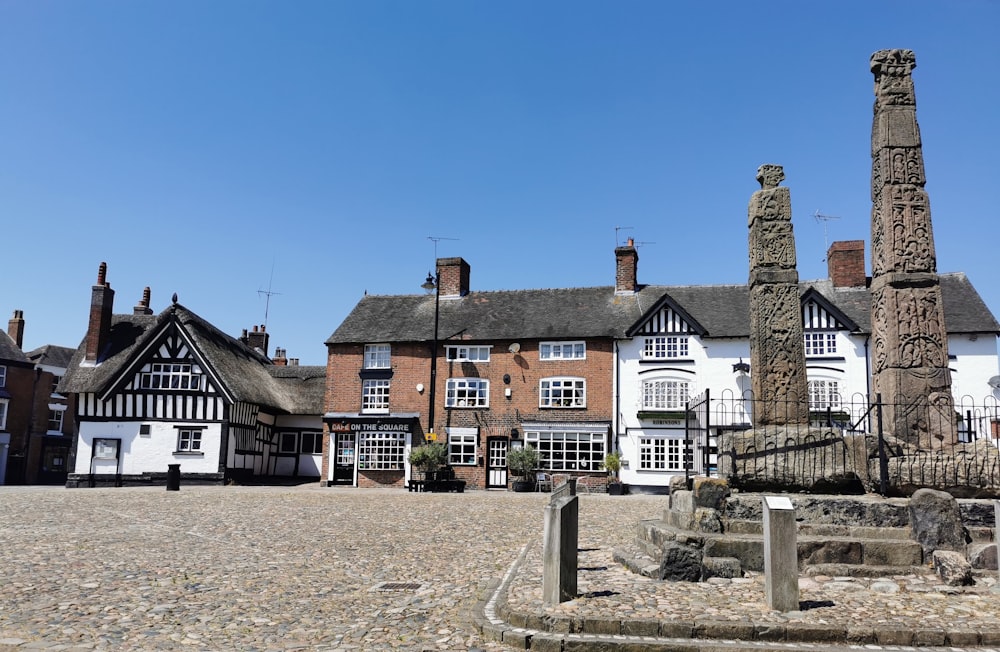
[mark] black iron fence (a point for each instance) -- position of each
(852, 445)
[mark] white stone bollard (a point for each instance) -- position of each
(781, 559)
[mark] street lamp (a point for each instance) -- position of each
(433, 283)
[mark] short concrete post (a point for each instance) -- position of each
(781, 560)
(559, 547)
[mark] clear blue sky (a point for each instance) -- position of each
(215, 149)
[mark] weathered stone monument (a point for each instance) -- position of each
(909, 340)
(777, 353)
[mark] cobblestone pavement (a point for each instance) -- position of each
(312, 568)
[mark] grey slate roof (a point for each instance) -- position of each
(10, 352)
(52, 355)
(244, 372)
(723, 310)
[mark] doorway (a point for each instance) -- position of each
(496, 463)
(343, 458)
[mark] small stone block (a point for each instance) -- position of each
(546, 643)
(640, 628)
(724, 629)
(815, 633)
(493, 632)
(925, 637)
(602, 626)
(894, 637)
(517, 639)
(676, 629)
(963, 637)
(860, 635)
(770, 632)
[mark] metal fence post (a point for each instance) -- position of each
(883, 458)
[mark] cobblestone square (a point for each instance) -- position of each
(263, 568)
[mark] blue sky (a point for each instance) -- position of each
(216, 149)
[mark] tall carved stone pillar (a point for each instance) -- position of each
(777, 352)
(909, 340)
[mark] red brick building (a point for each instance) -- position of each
(36, 423)
(511, 368)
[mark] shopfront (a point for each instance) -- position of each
(370, 451)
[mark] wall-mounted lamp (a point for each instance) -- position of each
(420, 388)
(741, 367)
(506, 379)
(506, 392)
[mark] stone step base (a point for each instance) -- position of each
(653, 536)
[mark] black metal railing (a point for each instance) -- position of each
(851, 445)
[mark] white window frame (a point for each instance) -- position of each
(666, 347)
(467, 393)
(463, 446)
(3, 375)
(378, 356)
(189, 440)
(56, 417)
(661, 453)
(665, 393)
(3, 413)
(171, 376)
(375, 395)
(467, 353)
(381, 451)
(824, 393)
(820, 343)
(568, 450)
(575, 350)
(564, 392)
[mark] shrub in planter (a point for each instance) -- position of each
(429, 457)
(613, 464)
(522, 464)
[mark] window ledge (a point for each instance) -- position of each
(189, 453)
(685, 360)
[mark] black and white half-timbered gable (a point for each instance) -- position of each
(171, 389)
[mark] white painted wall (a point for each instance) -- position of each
(148, 453)
(974, 361)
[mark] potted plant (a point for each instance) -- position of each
(429, 458)
(522, 464)
(613, 464)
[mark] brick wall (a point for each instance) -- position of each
(411, 366)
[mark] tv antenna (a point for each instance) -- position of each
(824, 219)
(436, 240)
(268, 293)
(618, 230)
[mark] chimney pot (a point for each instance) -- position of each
(626, 268)
(15, 328)
(845, 262)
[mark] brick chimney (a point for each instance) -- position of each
(279, 358)
(142, 308)
(845, 262)
(257, 339)
(15, 328)
(453, 275)
(99, 327)
(626, 268)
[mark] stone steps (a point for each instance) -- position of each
(817, 544)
